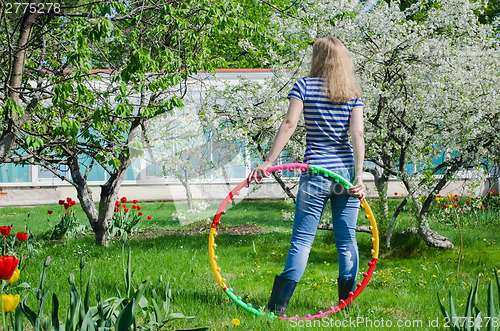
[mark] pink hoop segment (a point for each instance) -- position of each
(249, 307)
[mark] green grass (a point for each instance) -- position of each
(402, 290)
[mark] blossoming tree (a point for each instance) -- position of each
(429, 77)
(180, 146)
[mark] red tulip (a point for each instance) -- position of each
(149, 217)
(139, 213)
(126, 210)
(49, 212)
(22, 236)
(134, 206)
(5, 230)
(139, 207)
(66, 205)
(8, 265)
(395, 193)
(68, 199)
(61, 202)
(123, 200)
(468, 202)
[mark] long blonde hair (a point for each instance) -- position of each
(332, 61)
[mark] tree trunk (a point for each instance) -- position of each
(109, 195)
(15, 81)
(84, 193)
(431, 237)
(388, 234)
(100, 220)
(283, 186)
(189, 194)
(434, 239)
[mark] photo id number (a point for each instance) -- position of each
(26, 7)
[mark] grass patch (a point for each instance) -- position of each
(402, 290)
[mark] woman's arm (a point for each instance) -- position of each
(287, 128)
(358, 145)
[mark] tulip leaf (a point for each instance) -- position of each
(24, 285)
(55, 312)
(491, 306)
(87, 293)
(30, 314)
(498, 286)
(43, 301)
(174, 316)
(18, 321)
(125, 318)
(88, 323)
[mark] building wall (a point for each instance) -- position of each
(26, 195)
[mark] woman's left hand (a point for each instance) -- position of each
(358, 190)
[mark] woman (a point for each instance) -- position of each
(331, 102)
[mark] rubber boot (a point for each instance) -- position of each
(345, 287)
(282, 292)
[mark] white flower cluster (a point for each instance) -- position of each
(429, 78)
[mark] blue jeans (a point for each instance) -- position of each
(314, 192)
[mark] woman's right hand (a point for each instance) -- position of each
(260, 172)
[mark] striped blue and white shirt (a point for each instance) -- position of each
(327, 125)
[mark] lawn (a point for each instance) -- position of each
(401, 293)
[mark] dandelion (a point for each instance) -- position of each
(236, 321)
(434, 276)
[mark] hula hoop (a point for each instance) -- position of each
(259, 312)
